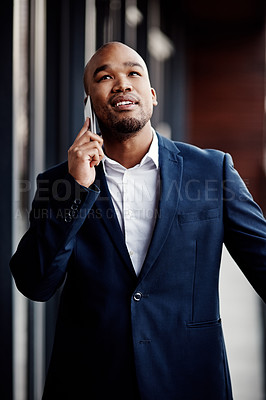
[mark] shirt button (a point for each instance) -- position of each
(137, 296)
(131, 253)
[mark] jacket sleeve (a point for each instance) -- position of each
(59, 208)
(245, 229)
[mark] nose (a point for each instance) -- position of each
(122, 85)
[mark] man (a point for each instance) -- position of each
(134, 226)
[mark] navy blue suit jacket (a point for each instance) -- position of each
(156, 336)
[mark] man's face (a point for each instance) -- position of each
(118, 83)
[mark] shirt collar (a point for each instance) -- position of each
(152, 154)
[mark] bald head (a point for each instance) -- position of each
(107, 51)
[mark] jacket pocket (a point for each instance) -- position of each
(204, 324)
(199, 215)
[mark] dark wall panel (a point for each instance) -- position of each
(64, 99)
(65, 62)
(6, 27)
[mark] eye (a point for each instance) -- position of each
(134, 73)
(104, 77)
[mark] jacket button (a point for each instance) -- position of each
(137, 296)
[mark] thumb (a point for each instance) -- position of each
(87, 123)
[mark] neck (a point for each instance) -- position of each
(130, 152)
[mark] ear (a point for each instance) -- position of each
(154, 97)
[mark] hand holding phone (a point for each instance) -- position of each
(86, 152)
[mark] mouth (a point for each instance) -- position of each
(124, 103)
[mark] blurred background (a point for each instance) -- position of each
(207, 63)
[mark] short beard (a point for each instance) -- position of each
(123, 129)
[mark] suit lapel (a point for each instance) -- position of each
(105, 208)
(171, 171)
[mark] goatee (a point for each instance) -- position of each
(123, 129)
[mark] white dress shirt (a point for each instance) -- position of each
(135, 196)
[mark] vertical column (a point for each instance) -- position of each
(37, 165)
(90, 29)
(21, 185)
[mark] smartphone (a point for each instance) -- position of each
(89, 113)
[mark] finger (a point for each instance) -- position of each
(95, 160)
(94, 137)
(84, 129)
(92, 157)
(87, 137)
(88, 150)
(82, 157)
(98, 156)
(100, 150)
(86, 147)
